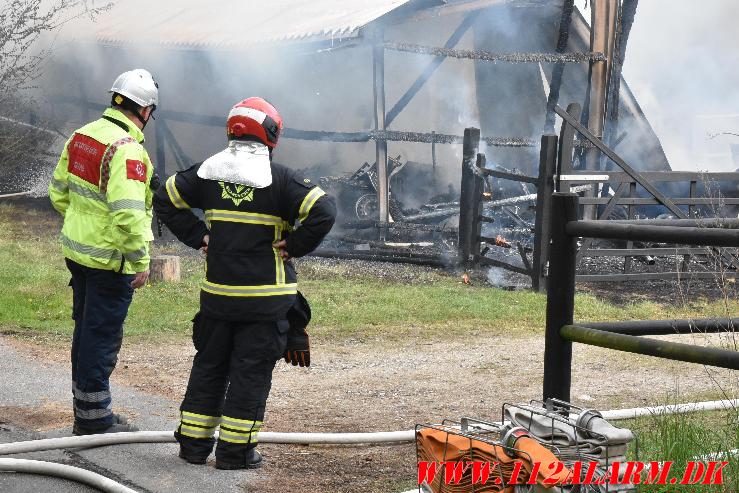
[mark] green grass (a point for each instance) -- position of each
(36, 299)
(689, 437)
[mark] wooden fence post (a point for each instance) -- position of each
(542, 224)
(476, 202)
(467, 207)
(566, 146)
(560, 299)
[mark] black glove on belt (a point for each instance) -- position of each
(298, 347)
(297, 351)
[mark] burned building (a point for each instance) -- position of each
(389, 81)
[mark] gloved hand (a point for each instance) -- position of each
(297, 351)
(155, 182)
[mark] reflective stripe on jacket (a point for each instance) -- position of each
(101, 187)
(245, 276)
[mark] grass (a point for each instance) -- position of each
(354, 304)
(681, 438)
(346, 304)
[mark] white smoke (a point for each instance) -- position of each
(683, 66)
(496, 276)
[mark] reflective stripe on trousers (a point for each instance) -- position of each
(236, 430)
(100, 303)
(195, 425)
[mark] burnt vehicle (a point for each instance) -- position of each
(415, 195)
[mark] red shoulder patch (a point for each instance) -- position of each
(135, 170)
(85, 156)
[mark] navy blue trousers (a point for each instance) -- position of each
(100, 304)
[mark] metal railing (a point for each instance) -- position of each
(632, 189)
(561, 331)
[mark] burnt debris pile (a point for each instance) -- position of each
(423, 215)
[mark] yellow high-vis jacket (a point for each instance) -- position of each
(101, 187)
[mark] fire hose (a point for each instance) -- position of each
(77, 474)
(168, 437)
(109, 486)
(405, 436)
(17, 194)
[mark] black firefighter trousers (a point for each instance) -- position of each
(229, 384)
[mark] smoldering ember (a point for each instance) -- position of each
(541, 147)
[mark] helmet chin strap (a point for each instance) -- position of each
(141, 118)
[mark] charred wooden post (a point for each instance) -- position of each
(626, 21)
(477, 216)
(378, 71)
(160, 136)
(566, 147)
(559, 69)
(603, 32)
(467, 199)
(560, 299)
(433, 157)
(543, 222)
(164, 268)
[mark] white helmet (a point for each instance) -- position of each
(139, 86)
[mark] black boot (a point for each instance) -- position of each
(252, 460)
(97, 430)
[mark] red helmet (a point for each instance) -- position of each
(255, 117)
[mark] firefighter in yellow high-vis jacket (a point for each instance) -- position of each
(101, 186)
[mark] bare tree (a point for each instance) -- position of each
(22, 23)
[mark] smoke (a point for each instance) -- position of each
(683, 66)
(496, 276)
(331, 90)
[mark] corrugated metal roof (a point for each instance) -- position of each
(234, 24)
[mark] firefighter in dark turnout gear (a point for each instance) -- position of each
(250, 207)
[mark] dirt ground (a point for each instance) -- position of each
(370, 385)
(374, 384)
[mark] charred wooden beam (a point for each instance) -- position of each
(437, 214)
(543, 221)
(378, 71)
(647, 276)
(489, 56)
(626, 20)
(491, 262)
(401, 226)
(558, 72)
(430, 69)
(395, 257)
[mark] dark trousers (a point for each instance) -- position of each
(100, 303)
(229, 384)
